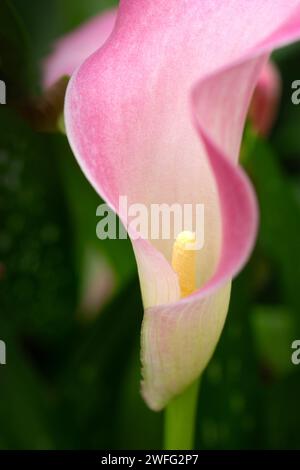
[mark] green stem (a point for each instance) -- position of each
(180, 417)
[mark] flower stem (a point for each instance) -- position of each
(180, 417)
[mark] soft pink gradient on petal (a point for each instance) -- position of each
(71, 50)
(129, 122)
(265, 101)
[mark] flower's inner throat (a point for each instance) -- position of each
(184, 262)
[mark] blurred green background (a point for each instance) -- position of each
(72, 374)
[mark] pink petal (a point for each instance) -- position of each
(128, 121)
(71, 50)
(265, 100)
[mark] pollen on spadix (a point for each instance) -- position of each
(184, 262)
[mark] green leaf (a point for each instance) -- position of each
(39, 289)
(280, 224)
(25, 405)
(94, 379)
(147, 432)
(285, 136)
(16, 67)
(274, 332)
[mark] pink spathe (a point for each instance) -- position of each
(157, 114)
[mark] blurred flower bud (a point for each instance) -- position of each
(265, 101)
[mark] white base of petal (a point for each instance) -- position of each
(177, 344)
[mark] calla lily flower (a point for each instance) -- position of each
(157, 114)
